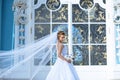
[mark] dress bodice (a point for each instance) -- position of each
(64, 50)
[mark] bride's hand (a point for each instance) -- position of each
(69, 61)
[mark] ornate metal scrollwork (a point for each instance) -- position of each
(86, 4)
(20, 19)
(117, 13)
(19, 7)
(53, 4)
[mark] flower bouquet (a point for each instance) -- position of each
(70, 57)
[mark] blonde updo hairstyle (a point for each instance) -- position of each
(59, 34)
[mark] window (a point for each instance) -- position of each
(89, 26)
(117, 31)
(86, 21)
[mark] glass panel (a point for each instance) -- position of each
(61, 27)
(81, 54)
(97, 33)
(53, 4)
(61, 15)
(54, 56)
(83, 48)
(80, 33)
(97, 14)
(116, 18)
(79, 15)
(98, 55)
(118, 55)
(117, 43)
(86, 4)
(41, 30)
(42, 14)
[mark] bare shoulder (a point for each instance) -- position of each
(60, 45)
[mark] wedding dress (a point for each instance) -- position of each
(62, 70)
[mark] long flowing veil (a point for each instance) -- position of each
(29, 59)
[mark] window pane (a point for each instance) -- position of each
(81, 54)
(118, 55)
(117, 43)
(98, 55)
(41, 30)
(98, 33)
(54, 55)
(97, 14)
(42, 14)
(80, 33)
(61, 15)
(79, 15)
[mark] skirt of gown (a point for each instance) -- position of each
(62, 70)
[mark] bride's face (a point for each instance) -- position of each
(61, 38)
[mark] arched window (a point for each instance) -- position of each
(84, 23)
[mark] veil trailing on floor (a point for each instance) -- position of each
(28, 59)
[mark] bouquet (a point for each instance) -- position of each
(69, 57)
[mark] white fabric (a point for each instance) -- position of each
(62, 70)
(40, 49)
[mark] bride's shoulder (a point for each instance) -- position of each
(59, 44)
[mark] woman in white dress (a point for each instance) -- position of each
(62, 69)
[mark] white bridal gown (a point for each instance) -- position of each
(62, 70)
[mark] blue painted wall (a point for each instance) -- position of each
(0, 20)
(7, 25)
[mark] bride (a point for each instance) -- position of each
(62, 69)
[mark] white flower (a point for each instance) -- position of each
(69, 57)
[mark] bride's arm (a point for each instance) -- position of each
(60, 47)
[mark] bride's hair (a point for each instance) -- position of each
(59, 34)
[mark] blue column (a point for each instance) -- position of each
(7, 25)
(0, 20)
(6, 30)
